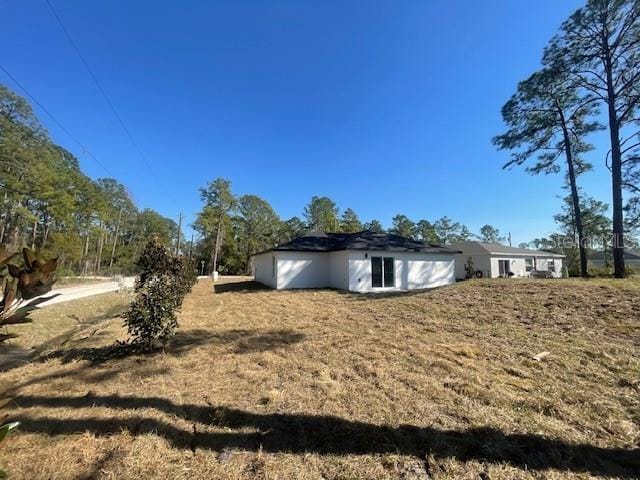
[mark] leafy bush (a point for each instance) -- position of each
(152, 314)
(160, 288)
(469, 268)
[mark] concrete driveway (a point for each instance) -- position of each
(66, 294)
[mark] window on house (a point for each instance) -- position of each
(273, 266)
(551, 265)
(382, 272)
(528, 264)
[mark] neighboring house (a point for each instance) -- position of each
(359, 262)
(492, 260)
(631, 259)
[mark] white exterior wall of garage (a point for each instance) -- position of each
(490, 268)
(351, 270)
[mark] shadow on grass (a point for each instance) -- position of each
(246, 286)
(297, 433)
(365, 296)
(240, 341)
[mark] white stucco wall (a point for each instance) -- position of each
(488, 265)
(412, 270)
(519, 269)
(339, 270)
(516, 265)
(302, 270)
(480, 262)
(263, 269)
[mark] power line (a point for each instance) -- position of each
(56, 121)
(100, 89)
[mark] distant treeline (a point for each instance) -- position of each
(231, 228)
(46, 202)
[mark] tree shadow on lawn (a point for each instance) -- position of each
(241, 341)
(297, 433)
(245, 286)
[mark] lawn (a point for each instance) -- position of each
(260, 384)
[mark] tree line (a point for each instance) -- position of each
(233, 227)
(48, 203)
(589, 81)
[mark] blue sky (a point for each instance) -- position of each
(386, 107)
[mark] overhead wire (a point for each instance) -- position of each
(55, 120)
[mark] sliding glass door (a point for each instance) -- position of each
(382, 272)
(504, 268)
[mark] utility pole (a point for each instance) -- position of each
(509, 238)
(179, 235)
(191, 247)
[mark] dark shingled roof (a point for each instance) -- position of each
(332, 242)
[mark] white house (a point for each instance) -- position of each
(359, 262)
(492, 260)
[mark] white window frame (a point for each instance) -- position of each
(529, 263)
(551, 265)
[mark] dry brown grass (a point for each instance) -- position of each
(58, 324)
(261, 384)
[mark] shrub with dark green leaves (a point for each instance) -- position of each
(152, 317)
(164, 281)
(187, 276)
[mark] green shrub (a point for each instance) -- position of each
(164, 281)
(152, 315)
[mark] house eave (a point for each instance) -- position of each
(370, 249)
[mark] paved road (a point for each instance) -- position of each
(80, 291)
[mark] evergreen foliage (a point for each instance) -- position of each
(164, 281)
(49, 204)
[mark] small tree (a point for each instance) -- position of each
(151, 316)
(469, 268)
(160, 288)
